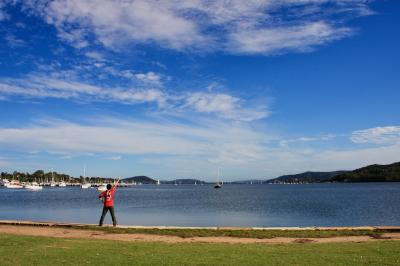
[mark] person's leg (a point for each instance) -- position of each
(113, 216)
(103, 214)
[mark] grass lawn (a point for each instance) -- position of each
(27, 250)
(185, 233)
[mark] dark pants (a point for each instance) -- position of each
(105, 209)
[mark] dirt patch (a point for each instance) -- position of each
(303, 240)
(93, 234)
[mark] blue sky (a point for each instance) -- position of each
(179, 89)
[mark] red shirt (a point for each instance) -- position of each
(108, 197)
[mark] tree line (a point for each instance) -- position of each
(40, 176)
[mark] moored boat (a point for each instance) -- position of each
(33, 186)
(102, 188)
(218, 184)
(86, 185)
(13, 184)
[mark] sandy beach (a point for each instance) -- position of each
(65, 231)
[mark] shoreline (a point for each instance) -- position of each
(175, 235)
(307, 228)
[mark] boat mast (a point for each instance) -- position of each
(84, 174)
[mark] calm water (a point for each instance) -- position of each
(233, 205)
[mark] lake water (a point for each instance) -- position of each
(233, 205)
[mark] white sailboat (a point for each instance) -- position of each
(52, 183)
(218, 184)
(85, 185)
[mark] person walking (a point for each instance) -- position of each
(108, 198)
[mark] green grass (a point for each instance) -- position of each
(186, 233)
(28, 250)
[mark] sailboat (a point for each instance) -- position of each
(85, 185)
(52, 183)
(218, 184)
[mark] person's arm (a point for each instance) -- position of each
(101, 195)
(116, 182)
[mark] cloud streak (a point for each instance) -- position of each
(377, 135)
(162, 143)
(159, 137)
(47, 87)
(222, 105)
(244, 27)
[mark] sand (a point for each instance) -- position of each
(100, 235)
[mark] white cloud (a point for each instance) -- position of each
(286, 38)
(95, 55)
(377, 135)
(48, 87)
(255, 26)
(159, 137)
(223, 105)
(356, 158)
(116, 22)
(67, 86)
(114, 158)
(149, 78)
(327, 137)
(198, 147)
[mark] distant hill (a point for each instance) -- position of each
(371, 173)
(140, 179)
(306, 177)
(184, 181)
(252, 181)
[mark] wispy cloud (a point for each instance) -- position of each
(326, 137)
(244, 152)
(114, 158)
(48, 87)
(256, 26)
(223, 105)
(286, 38)
(3, 14)
(159, 137)
(95, 55)
(377, 135)
(150, 78)
(13, 41)
(69, 87)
